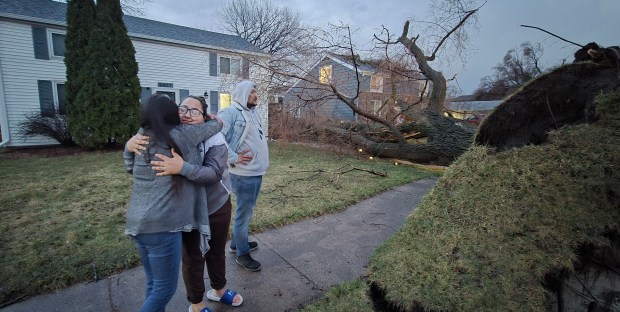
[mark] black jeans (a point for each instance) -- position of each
(193, 264)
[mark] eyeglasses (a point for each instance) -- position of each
(194, 112)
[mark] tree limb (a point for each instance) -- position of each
(577, 44)
(382, 174)
(455, 28)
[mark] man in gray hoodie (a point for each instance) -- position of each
(248, 160)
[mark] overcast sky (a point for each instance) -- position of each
(499, 20)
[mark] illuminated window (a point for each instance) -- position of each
(376, 84)
(225, 100)
(326, 74)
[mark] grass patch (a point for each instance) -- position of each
(62, 221)
(496, 224)
(62, 218)
(302, 183)
(347, 297)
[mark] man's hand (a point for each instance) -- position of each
(167, 165)
(137, 144)
(244, 157)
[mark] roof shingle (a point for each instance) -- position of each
(55, 12)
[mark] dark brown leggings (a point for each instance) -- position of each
(193, 264)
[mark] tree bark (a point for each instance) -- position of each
(420, 153)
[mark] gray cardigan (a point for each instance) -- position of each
(154, 205)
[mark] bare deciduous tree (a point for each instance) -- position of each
(134, 7)
(447, 138)
(277, 31)
(264, 25)
(517, 67)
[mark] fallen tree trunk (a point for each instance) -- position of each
(447, 140)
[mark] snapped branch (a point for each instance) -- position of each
(577, 44)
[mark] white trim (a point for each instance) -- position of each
(192, 44)
(50, 42)
(230, 67)
(55, 93)
(376, 106)
(4, 121)
(349, 66)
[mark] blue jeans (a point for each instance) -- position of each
(161, 257)
(246, 191)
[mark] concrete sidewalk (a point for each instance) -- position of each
(299, 262)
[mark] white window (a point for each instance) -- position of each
(376, 107)
(230, 66)
(56, 42)
(376, 84)
(325, 76)
(59, 97)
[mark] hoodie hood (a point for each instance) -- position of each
(242, 91)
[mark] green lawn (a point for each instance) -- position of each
(62, 218)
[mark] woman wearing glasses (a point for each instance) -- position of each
(193, 111)
(161, 206)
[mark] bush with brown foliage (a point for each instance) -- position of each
(53, 126)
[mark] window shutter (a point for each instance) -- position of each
(46, 98)
(245, 68)
(212, 64)
(183, 93)
(144, 94)
(39, 40)
(214, 102)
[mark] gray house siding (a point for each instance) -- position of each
(179, 64)
(21, 72)
(299, 98)
(345, 79)
(328, 105)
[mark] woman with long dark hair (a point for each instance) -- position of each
(162, 207)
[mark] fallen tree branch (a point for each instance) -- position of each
(337, 173)
(382, 174)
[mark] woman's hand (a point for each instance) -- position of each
(167, 165)
(137, 144)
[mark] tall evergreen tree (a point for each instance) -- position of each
(80, 19)
(108, 97)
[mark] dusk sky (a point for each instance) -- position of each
(499, 20)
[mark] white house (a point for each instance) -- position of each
(172, 59)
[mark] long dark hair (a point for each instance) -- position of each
(159, 116)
